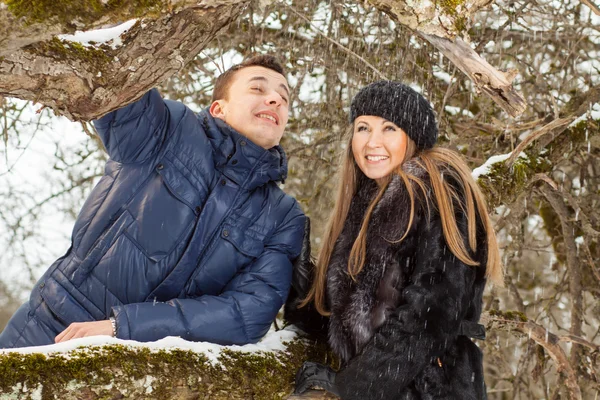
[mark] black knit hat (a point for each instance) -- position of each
(401, 105)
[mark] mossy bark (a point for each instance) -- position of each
(84, 83)
(115, 371)
(24, 22)
(503, 184)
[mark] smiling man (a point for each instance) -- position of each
(187, 233)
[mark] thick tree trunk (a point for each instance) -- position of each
(86, 83)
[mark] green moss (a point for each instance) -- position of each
(83, 11)
(509, 315)
(503, 184)
(97, 58)
(450, 8)
(115, 369)
(460, 23)
(63, 10)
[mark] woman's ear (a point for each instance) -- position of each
(217, 109)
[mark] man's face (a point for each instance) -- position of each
(257, 105)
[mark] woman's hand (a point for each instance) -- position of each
(83, 329)
(315, 375)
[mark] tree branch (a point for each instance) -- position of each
(22, 25)
(496, 84)
(575, 286)
(595, 9)
(548, 340)
(441, 25)
(84, 84)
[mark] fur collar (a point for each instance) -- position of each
(359, 307)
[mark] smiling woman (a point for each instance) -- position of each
(408, 250)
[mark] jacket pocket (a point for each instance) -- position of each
(164, 211)
(65, 306)
(77, 272)
(245, 241)
(230, 252)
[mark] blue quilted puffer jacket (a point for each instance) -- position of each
(186, 234)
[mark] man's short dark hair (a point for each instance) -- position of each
(221, 90)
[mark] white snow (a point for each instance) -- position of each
(442, 75)
(457, 110)
(110, 36)
(272, 341)
(594, 113)
(484, 169)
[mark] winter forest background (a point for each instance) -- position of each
(543, 327)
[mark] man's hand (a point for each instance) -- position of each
(83, 329)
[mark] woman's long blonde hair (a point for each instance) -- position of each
(436, 161)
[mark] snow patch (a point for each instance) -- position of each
(442, 75)
(110, 36)
(148, 384)
(457, 110)
(485, 168)
(593, 112)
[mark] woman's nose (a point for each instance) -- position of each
(374, 139)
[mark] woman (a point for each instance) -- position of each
(407, 252)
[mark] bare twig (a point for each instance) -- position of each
(548, 340)
(341, 46)
(595, 9)
(556, 124)
(575, 286)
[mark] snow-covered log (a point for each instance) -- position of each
(107, 368)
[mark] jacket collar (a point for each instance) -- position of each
(240, 159)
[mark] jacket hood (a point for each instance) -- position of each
(240, 159)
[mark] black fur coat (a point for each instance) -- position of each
(399, 327)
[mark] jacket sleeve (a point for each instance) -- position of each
(135, 132)
(241, 314)
(434, 302)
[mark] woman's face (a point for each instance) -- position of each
(378, 145)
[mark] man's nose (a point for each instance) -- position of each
(274, 99)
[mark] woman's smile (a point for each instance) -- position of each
(378, 145)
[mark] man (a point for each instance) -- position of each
(187, 233)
